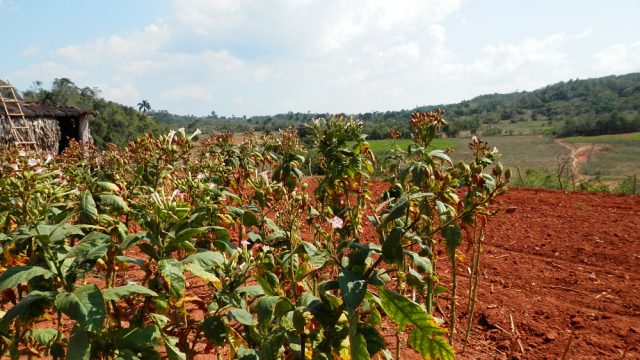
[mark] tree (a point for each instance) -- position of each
(144, 106)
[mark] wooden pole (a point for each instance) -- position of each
(634, 183)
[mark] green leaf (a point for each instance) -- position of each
(264, 307)
(91, 248)
(85, 305)
(79, 345)
(88, 209)
(206, 259)
(120, 292)
(353, 288)
(375, 341)
(32, 301)
(249, 219)
(406, 312)
(214, 330)
(398, 210)
(440, 154)
(188, 234)
(108, 186)
(17, 275)
(269, 283)
(115, 202)
(490, 182)
(133, 239)
(432, 347)
(171, 271)
(453, 237)
(202, 273)
(358, 348)
(423, 337)
(421, 263)
(137, 339)
(43, 336)
(173, 353)
(392, 251)
(242, 316)
(251, 290)
(271, 346)
(246, 354)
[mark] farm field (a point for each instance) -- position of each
(526, 151)
(167, 250)
(610, 157)
(563, 266)
(559, 276)
(607, 158)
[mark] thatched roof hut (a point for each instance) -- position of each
(52, 126)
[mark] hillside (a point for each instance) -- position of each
(576, 107)
(606, 105)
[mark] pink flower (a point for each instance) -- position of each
(245, 243)
(336, 222)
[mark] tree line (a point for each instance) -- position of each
(605, 105)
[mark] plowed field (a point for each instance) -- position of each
(560, 275)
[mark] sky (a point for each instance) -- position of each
(259, 57)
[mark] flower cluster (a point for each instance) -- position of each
(429, 118)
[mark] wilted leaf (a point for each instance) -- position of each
(88, 209)
(171, 271)
(120, 292)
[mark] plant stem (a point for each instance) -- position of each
(452, 317)
(475, 274)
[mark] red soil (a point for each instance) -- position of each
(564, 267)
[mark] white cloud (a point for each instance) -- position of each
(205, 17)
(193, 92)
(30, 51)
(119, 47)
(619, 58)
(8, 5)
(48, 70)
(341, 55)
(120, 90)
(511, 57)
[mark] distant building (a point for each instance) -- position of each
(52, 126)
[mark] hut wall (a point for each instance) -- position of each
(46, 133)
(84, 135)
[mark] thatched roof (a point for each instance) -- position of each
(36, 110)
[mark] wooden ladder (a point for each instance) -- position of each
(21, 129)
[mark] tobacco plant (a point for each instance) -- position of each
(165, 249)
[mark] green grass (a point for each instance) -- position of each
(613, 157)
(538, 156)
(631, 138)
(528, 127)
(380, 147)
(528, 152)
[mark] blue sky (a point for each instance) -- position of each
(250, 57)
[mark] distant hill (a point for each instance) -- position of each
(605, 105)
(576, 107)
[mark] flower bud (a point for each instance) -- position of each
(507, 174)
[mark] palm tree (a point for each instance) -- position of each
(144, 106)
